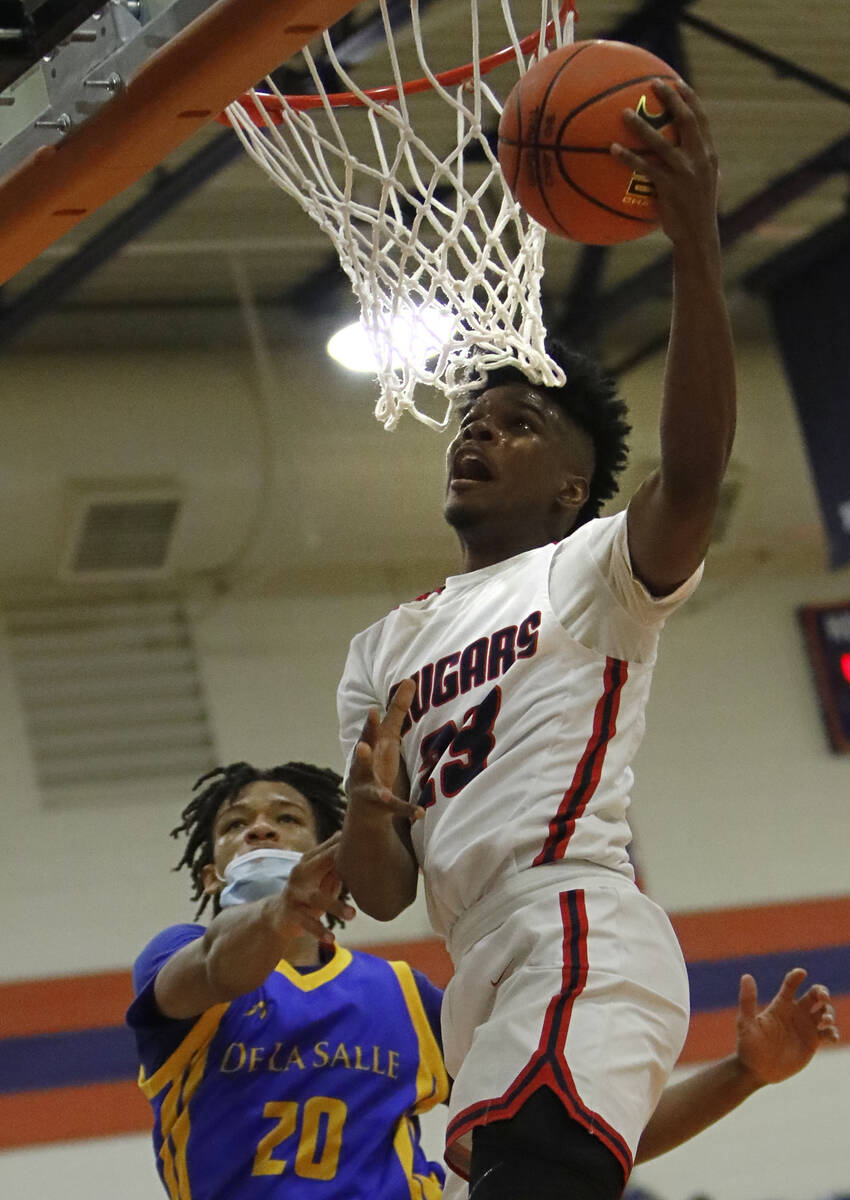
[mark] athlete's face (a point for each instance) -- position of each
(264, 815)
(518, 458)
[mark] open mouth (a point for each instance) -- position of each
(470, 467)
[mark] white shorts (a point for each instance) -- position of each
(567, 977)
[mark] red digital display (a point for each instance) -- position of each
(827, 631)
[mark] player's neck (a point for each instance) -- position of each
(304, 952)
(484, 548)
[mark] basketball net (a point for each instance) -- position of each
(429, 237)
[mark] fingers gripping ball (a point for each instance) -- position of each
(555, 136)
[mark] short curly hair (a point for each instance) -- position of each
(589, 399)
(320, 786)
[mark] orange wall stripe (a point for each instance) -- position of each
(41, 1006)
(64, 1004)
(428, 955)
(764, 928)
(67, 1114)
(106, 1110)
(712, 1034)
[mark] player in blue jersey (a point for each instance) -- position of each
(278, 1063)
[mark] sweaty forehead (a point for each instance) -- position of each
(263, 792)
(516, 397)
(560, 429)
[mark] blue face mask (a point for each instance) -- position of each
(255, 875)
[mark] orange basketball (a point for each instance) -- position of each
(556, 130)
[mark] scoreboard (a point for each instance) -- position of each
(826, 628)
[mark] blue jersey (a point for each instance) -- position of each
(307, 1087)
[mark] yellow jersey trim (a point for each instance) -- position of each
(315, 979)
(181, 1073)
(432, 1086)
(432, 1082)
(421, 1187)
(198, 1037)
(182, 1127)
(175, 1125)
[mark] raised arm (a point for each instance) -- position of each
(671, 515)
(243, 944)
(375, 856)
(772, 1046)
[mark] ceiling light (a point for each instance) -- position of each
(415, 338)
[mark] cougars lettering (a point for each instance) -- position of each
(455, 674)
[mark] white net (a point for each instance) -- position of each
(431, 239)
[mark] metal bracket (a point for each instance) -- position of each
(32, 28)
(83, 73)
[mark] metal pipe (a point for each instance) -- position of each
(783, 66)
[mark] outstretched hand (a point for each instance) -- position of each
(373, 781)
(685, 176)
(313, 889)
(779, 1041)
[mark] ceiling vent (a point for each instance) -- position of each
(111, 695)
(119, 534)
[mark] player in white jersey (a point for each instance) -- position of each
(514, 702)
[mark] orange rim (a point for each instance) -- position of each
(262, 107)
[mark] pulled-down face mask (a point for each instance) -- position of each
(255, 875)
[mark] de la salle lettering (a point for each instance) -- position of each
(243, 1058)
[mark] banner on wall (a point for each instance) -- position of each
(809, 301)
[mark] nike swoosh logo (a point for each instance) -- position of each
(495, 982)
(656, 120)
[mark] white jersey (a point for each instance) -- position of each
(532, 679)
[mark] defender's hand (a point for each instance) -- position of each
(312, 890)
(375, 767)
(780, 1040)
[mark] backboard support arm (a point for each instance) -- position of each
(183, 86)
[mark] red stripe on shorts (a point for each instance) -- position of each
(547, 1066)
(589, 768)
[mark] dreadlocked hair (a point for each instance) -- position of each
(589, 399)
(320, 786)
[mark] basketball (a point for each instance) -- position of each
(555, 133)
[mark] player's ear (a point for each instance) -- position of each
(573, 493)
(211, 881)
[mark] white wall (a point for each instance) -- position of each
(788, 1142)
(270, 668)
(738, 799)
